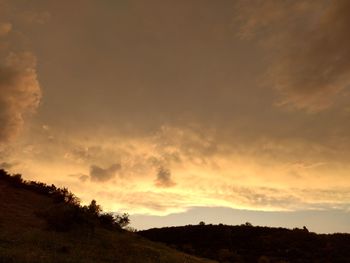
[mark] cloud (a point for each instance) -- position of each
(20, 92)
(98, 174)
(5, 28)
(164, 178)
(82, 177)
(7, 165)
(160, 203)
(226, 132)
(38, 17)
(310, 44)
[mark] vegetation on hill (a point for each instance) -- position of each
(67, 212)
(247, 243)
(45, 224)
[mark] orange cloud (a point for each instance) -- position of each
(5, 28)
(20, 93)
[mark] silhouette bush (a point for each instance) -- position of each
(122, 220)
(94, 208)
(108, 220)
(62, 217)
(15, 180)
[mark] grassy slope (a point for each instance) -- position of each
(25, 238)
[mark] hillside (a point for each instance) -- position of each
(34, 228)
(247, 243)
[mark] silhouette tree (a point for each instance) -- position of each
(94, 208)
(122, 220)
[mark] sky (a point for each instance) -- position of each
(182, 111)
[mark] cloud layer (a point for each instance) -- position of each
(159, 106)
(20, 93)
(5, 28)
(312, 44)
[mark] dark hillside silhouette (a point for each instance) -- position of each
(246, 243)
(66, 211)
(41, 223)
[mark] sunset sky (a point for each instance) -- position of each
(182, 111)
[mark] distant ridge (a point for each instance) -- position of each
(247, 243)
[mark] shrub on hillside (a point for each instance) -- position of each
(94, 208)
(15, 180)
(63, 217)
(122, 220)
(108, 220)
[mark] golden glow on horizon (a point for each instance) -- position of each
(224, 179)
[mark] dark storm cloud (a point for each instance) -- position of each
(164, 178)
(177, 64)
(180, 65)
(317, 67)
(99, 174)
(173, 61)
(312, 44)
